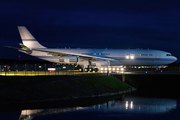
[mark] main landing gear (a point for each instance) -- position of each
(88, 69)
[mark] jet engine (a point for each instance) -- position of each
(99, 63)
(105, 63)
(68, 59)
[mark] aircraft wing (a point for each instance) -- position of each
(57, 53)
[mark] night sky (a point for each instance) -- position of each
(117, 24)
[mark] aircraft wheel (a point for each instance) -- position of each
(90, 69)
(96, 69)
(80, 69)
(86, 69)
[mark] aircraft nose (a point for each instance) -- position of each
(174, 58)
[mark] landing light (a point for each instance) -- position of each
(127, 57)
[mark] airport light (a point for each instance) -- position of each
(127, 57)
(51, 69)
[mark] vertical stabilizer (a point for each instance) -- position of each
(27, 39)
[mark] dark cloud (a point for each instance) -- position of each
(100, 23)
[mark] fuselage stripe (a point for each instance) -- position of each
(28, 39)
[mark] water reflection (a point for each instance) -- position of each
(136, 105)
(144, 105)
(30, 114)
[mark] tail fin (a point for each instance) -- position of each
(27, 39)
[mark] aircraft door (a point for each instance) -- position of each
(122, 59)
(157, 57)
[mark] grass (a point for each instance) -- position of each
(96, 82)
(57, 87)
(86, 85)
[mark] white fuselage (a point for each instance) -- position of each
(93, 57)
(121, 56)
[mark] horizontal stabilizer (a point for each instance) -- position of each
(23, 46)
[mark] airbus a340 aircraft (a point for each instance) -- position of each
(93, 57)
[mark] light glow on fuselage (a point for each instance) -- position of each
(132, 57)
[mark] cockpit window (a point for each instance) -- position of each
(168, 54)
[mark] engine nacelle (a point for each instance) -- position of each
(105, 63)
(68, 59)
(83, 62)
(99, 63)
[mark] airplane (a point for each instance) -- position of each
(88, 58)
